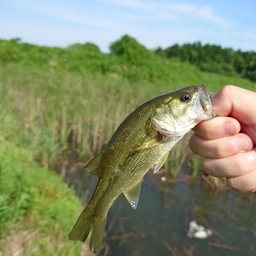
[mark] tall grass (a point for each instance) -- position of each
(48, 111)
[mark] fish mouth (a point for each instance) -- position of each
(204, 104)
(205, 101)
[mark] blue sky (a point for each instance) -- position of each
(154, 23)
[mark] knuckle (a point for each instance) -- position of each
(207, 165)
(194, 143)
(223, 148)
(227, 90)
(235, 184)
(217, 150)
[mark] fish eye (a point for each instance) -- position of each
(185, 97)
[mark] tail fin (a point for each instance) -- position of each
(83, 227)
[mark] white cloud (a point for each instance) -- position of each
(171, 11)
(73, 15)
(131, 3)
(208, 14)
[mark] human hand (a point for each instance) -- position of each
(228, 141)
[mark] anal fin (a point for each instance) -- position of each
(133, 194)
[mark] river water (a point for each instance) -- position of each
(160, 223)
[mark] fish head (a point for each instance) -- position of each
(181, 110)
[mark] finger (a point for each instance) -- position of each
(233, 101)
(244, 183)
(217, 127)
(222, 147)
(250, 130)
(236, 165)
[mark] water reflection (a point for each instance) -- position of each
(159, 225)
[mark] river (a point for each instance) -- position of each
(160, 223)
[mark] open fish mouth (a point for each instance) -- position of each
(205, 105)
(205, 101)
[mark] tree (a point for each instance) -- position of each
(130, 50)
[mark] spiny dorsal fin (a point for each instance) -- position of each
(157, 166)
(93, 165)
(133, 194)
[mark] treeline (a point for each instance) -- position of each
(130, 59)
(213, 58)
(127, 58)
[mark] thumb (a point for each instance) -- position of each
(236, 102)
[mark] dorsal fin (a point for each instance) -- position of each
(93, 165)
(133, 194)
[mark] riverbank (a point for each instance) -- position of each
(37, 209)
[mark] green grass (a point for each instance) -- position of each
(37, 209)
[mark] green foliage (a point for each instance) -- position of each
(76, 58)
(196, 162)
(134, 61)
(32, 197)
(213, 58)
(131, 51)
(129, 59)
(86, 47)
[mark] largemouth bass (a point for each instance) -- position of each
(141, 142)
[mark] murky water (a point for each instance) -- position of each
(160, 223)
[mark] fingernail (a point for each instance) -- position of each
(229, 128)
(241, 144)
(253, 191)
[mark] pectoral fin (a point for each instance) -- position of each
(149, 144)
(133, 195)
(157, 166)
(93, 165)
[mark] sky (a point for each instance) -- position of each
(154, 23)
